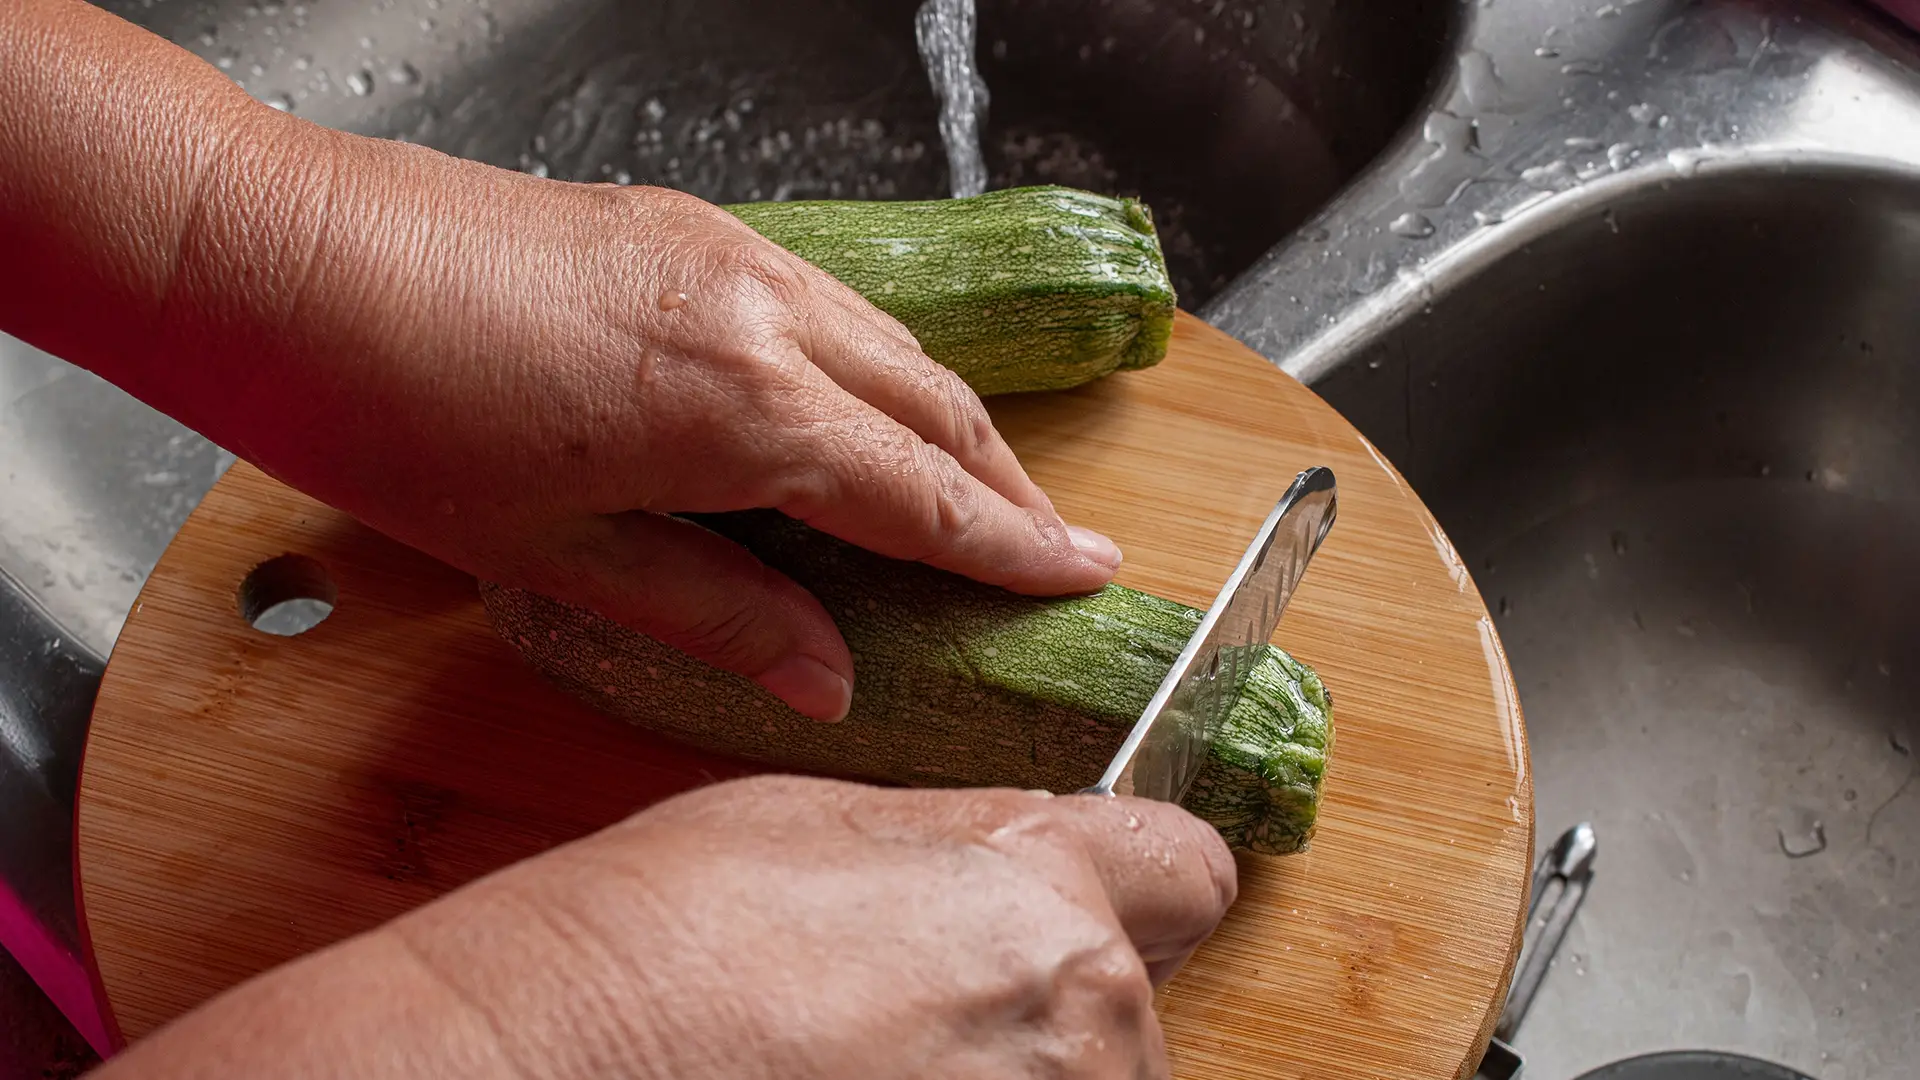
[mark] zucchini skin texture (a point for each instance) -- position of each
(959, 684)
(1036, 288)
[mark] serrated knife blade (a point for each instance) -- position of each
(1168, 744)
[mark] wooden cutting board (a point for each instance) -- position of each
(247, 798)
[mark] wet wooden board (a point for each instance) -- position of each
(247, 798)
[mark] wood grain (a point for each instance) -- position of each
(247, 798)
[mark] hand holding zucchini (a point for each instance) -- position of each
(959, 683)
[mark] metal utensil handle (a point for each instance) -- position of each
(1569, 864)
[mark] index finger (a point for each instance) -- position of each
(856, 473)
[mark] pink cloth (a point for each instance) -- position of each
(62, 976)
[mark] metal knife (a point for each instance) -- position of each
(1168, 744)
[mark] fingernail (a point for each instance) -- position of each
(1095, 546)
(811, 687)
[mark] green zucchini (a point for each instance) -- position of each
(1038, 288)
(958, 684)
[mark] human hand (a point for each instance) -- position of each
(520, 376)
(771, 927)
(524, 377)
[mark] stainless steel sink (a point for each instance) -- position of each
(1635, 311)
(1627, 289)
(1677, 439)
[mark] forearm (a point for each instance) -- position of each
(247, 272)
(531, 973)
(364, 1009)
(122, 160)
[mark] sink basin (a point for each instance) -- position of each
(1678, 442)
(1656, 377)
(1235, 121)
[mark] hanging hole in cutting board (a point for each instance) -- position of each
(287, 595)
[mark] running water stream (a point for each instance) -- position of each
(944, 30)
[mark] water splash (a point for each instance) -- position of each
(944, 30)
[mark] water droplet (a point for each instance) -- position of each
(1133, 822)
(623, 178)
(1684, 162)
(1643, 113)
(1582, 67)
(403, 74)
(1802, 835)
(1452, 164)
(302, 63)
(1549, 177)
(210, 35)
(539, 169)
(1850, 795)
(1506, 606)
(1620, 155)
(672, 301)
(282, 102)
(1619, 540)
(1547, 52)
(226, 60)
(1480, 82)
(360, 83)
(1412, 226)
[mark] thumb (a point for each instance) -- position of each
(703, 594)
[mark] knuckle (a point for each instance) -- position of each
(1116, 975)
(970, 429)
(956, 510)
(771, 268)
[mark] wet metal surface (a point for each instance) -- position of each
(1644, 268)
(1650, 354)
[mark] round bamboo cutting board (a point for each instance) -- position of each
(249, 797)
